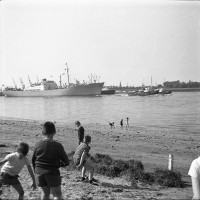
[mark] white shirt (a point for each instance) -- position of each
(14, 165)
(194, 170)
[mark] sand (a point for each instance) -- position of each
(149, 146)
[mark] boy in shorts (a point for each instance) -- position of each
(13, 164)
(48, 155)
(80, 159)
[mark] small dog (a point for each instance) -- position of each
(112, 125)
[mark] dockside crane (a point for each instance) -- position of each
(29, 80)
(22, 83)
(14, 83)
(37, 79)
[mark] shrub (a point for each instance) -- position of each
(102, 158)
(100, 169)
(107, 170)
(122, 165)
(112, 171)
(135, 164)
(132, 170)
(168, 178)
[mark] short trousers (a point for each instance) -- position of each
(6, 179)
(77, 161)
(50, 180)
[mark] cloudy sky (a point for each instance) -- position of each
(121, 40)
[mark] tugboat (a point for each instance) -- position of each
(107, 91)
(163, 91)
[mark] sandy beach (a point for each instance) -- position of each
(149, 146)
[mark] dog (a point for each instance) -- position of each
(112, 125)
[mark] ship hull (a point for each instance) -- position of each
(77, 90)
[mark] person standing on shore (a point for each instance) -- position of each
(48, 156)
(121, 124)
(13, 164)
(80, 132)
(194, 172)
(127, 123)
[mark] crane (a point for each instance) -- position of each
(37, 79)
(14, 83)
(22, 83)
(29, 80)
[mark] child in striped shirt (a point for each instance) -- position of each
(80, 159)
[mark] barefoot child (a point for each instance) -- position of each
(13, 164)
(80, 159)
(48, 155)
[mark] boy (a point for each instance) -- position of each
(80, 132)
(194, 172)
(47, 157)
(13, 164)
(80, 159)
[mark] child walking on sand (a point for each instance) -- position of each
(13, 164)
(80, 159)
(48, 155)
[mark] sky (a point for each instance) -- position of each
(123, 41)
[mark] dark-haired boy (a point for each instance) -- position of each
(48, 155)
(80, 159)
(80, 132)
(13, 164)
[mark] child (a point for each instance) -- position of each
(47, 158)
(80, 159)
(13, 164)
(121, 124)
(194, 172)
(80, 132)
(127, 124)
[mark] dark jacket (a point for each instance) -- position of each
(48, 156)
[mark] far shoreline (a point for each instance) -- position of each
(184, 89)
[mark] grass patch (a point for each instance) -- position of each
(132, 170)
(168, 178)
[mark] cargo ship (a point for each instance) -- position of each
(49, 88)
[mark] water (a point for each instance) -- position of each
(179, 112)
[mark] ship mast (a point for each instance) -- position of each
(67, 73)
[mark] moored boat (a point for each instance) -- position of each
(163, 91)
(107, 91)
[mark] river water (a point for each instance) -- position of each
(179, 113)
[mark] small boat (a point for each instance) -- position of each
(133, 93)
(107, 91)
(163, 91)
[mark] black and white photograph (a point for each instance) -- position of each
(100, 99)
